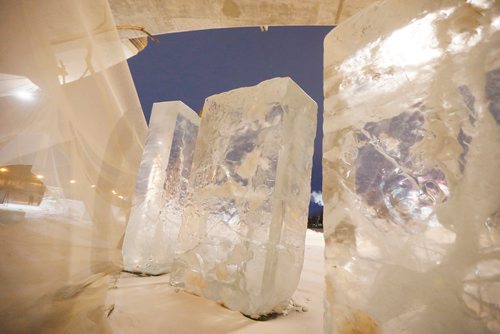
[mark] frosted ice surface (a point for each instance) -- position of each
(244, 224)
(161, 188)
(411, 169)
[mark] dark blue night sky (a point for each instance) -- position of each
(194, 65)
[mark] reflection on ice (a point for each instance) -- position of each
(242, 236)
(161, 189)
(411, 171)
(414, 44)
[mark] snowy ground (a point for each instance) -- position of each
(150, 305)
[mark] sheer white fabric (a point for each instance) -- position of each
(69, 111)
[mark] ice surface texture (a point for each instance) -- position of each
(244, 224)
(155, 219)
(411, 167)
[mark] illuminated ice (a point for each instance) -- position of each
(244, 224)
(411, 177)
(155, 219)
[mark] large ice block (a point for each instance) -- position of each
(245, 219)
(411, 169)
(161, 188)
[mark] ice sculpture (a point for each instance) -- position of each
(412, 170)
(245, 219)
(161, 187)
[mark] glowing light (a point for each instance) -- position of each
(39, 177)
(120, 196)
(114, 192)
(414, 44)
(24, 95)
(465, 40)
(495, 23)
(3, 170)
(483, 4)
(72, 181)
(92, 186)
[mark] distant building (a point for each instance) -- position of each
(19, 185)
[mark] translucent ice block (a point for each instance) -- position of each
(411, 169)
(244, 224)
(161, 187)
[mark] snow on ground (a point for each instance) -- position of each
(151, 305)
